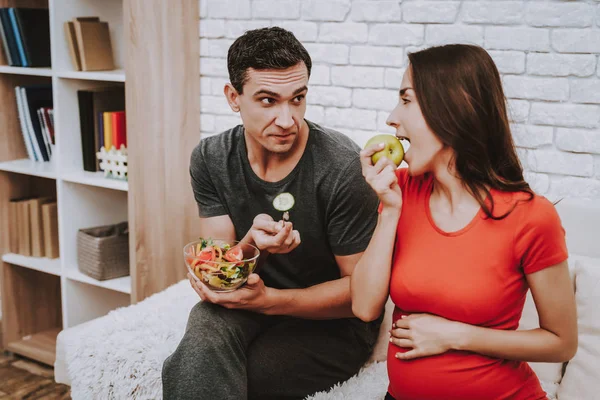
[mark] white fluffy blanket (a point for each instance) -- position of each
(120, 356)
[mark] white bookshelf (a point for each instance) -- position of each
(40, 296)
(85, 199)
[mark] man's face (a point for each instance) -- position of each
(273, 105)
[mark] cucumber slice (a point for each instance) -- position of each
(284, 202)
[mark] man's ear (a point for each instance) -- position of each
(232, 96)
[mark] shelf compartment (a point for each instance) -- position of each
(92, 302)
(95, 179)
(39, 346)
(42, 264)
(110, 11)
(32, 316)
(68, 124)
(84, 206)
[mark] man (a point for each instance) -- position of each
(290, 331)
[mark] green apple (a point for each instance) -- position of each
(393, 148)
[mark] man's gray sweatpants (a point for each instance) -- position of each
(236, 355)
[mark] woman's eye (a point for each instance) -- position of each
(405, 101)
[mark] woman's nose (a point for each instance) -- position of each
(390, 121)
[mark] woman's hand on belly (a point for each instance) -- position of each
(425, 335)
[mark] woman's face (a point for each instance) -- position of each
(425, 150)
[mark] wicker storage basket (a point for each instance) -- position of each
(103, 251)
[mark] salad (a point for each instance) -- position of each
(219, 264)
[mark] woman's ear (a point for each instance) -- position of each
(232, 96)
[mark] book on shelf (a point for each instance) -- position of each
(13, 221)
(99, 110)
(35, 219)
(72, 44)
(119, 129)
(23, 228)
(89, 44)
(34, 106)
(25, 34)
(34, 227)
(113, 129)
(50, 229)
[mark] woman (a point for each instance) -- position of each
(460, 239)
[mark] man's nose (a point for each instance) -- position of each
(284, 118)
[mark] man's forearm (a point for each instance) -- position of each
(328, 300)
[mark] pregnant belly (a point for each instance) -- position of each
(460, 375)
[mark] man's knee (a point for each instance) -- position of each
(205, 316)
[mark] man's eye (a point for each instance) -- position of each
(299, 99)
(267, 100)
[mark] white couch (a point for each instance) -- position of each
(120, 356)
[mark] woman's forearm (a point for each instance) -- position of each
(536, 345)
(369, 284)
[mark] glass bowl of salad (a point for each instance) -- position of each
(221, 265)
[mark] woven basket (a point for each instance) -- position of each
(103, 251)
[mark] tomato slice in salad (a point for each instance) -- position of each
(234, 254)
(207, 254)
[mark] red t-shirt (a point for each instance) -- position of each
(475, 275)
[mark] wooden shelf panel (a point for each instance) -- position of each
(94, 179)
(117, 75)
(27, 167)
(47, 265)
(122, 285)
(39, 346)
(7, 69)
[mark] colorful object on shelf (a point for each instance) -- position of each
(113, 162)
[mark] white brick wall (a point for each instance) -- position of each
(546, 50)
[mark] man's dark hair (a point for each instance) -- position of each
(264, 48)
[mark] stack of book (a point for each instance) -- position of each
(89, 44)
(34, 223)
(25, 36)
(36, 116)
(102, 122)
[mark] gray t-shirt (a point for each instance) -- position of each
(335, 210)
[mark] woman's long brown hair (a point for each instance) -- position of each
(460, 93)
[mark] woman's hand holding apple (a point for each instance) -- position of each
(382, 177)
